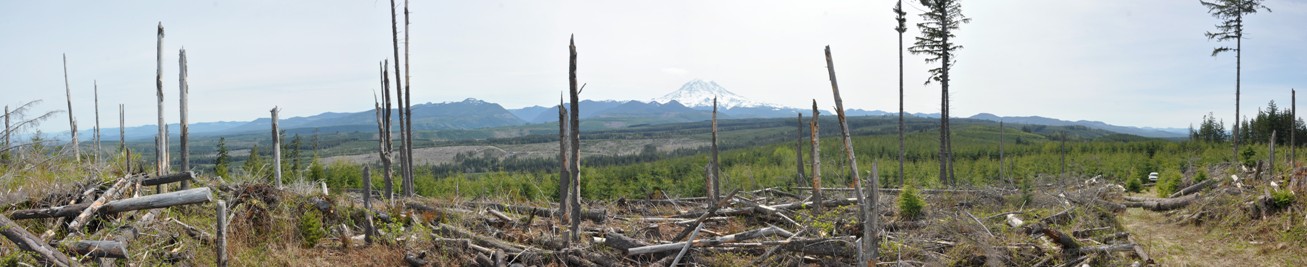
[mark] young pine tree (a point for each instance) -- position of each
(254, 164)
(223, 165)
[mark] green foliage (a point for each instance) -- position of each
(223, 165)
(1248, 154)
(1210, 131)
(317, 173)
(1201, 176)
(254, 164)
(1281, 198)
(1133, 184)
(910, 203)
(1169, 182)
(825, 222)
(1025, 184)
(310, 227)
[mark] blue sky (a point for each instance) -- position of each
(1137, 63)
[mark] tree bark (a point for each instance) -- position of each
(96, 86)
(408, 107)
(798, 150)
(575, 168)
(75, 227)
(1161, 204)
(1194, 188)
(716, 169)
(368, 228)
(72, 122)
(815, 134)
(184, 89)
(167, 179)
(99, 248)
(26, 241)
(276, 147)
(221, 243)
(868, 253)
(383, 131)
(742, 236)
(161, 142)
(399, 87)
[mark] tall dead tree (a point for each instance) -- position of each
(399, 95)
(383, 122)
(6, 147)
(564, 173)
(122, 136)
(276, 147)
(868, 252)
(1270, 159)
(96, 85)
(1293, 128)
(902, 27)
(408, 109)
(714, 179)
(575, 136)
(184, 91)
(72, 122)
(161, 140)
(798, 150)
(1001, 138)
(815, 134)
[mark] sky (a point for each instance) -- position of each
(1124, 62)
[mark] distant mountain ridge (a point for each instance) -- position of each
(691, 102)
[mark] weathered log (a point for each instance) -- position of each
(594, 215)
(222, 234)
(167, 179)
(697, 227)
(26, 241)
(1162, 204)
(621, 242)
(1194, 188)
(454, 231)
(1085, 233)
(1108, 248)
(75, 227)
(768, 211)
(746, 235)
(99, 248)
(193, 232)
(922, 191)
(276, 147)
(1062, 217)
(184, 197)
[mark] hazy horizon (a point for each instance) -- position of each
(1142, 64)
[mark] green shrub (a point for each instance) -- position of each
(1248, 155)
(1168, 183)
(1201, 176)
(1281, 198)
(310, 226)
(1133, 184)
(910, 203)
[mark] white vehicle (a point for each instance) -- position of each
(1152, 177)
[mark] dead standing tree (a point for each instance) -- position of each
(383, 132)
(867, 218)
(404, 183)
(716, 169)
(96, 87)
(575, 136)
(276, 147)
(408, 109)
(798, 150)
(161, 140)
(564, 174)
(72, 122)
(184, 91)
(815, 135)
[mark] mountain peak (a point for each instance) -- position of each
(700, 93)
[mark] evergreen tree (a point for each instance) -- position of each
(899, 16)
(941, 19)
(254, 164)
(1231, 12)
(223, 165)
(293, 156)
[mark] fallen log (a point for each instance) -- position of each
(1161, 204)
(746, 235)
(1193, 188)
(26, 241)
(622, 242)
(594, 215)
(1107, 248)
(75, 227)
(184, 197)
(99, 248)
(706, 214)
(769, 211)
(168, 179)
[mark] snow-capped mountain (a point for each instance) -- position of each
(699, 93)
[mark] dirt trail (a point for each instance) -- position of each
(1186, 245)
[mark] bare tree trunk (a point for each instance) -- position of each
(575, 135)
(868, 253)
(96, 85)
(1270, 160)
(72, 122)
(383, 122)
(160, 142)
(902, 145)
(367, 205)
(399, 87)
(1293, 129)
(814, 128)
(184, 89)
(408, 107)
(122, 130)
(27, 241)
(276, 147)
(716, 169)
(1238, 64)
(564, 174)
(7, 151)
(798, 150)
(222, 234)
